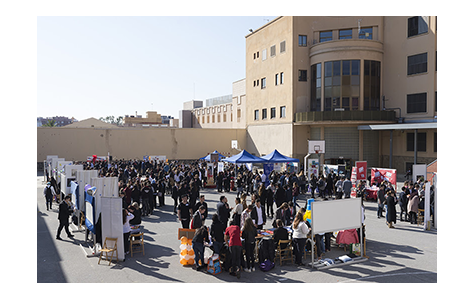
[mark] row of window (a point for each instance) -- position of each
(421, 141)
(264, 113)
(278, 80)
(272, 51)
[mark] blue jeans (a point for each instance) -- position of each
(199, 253)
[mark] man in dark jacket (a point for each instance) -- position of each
(223, 210)
(63, 216)
(280, 195)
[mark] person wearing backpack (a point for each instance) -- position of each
(49, 193)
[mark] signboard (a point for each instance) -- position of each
(313, 165)
(379, 175)
(361, 170)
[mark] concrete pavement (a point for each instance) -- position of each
(406, 254)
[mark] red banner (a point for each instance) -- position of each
(361, 170)
(379, 175)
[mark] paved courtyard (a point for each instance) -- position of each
(406, 254)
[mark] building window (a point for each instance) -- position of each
(273, 112)
(281, 77)
(213, 118)
(417, 25)
(282, 112)
(417, 103)
(345, 34)
(218, 118)
(276, 79)
(238, 114)
(372, 90)
(282, 47)
(316, 87)
(417, 64)
(421, 141)
(263, 54)
(273, 50)
(302, 75)
(435, 141)
(224, 117)
(264, 114)
(263, 83)
(365, 33)
(256, 114)
(302, 40)
(325, 36)
(341, 85)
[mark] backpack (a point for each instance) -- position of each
(48, 191)
(266, 265)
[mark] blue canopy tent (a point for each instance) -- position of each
(276, 157)
(244, 157)
(207, 158)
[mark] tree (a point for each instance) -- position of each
(50, 123)
(111, 120)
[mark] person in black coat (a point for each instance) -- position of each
(279, 196)
(403, 204)
(204, 204)
(280, 234)
(217, 232)
(391, 213)
(65, 211)
(223, 210)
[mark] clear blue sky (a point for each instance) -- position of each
(101, 66)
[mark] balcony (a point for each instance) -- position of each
(383, 116)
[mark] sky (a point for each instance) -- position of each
(114, 66)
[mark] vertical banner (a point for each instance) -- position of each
(313, 165)
(220, 167)
(353, 182)
(361, 170)
(267, 168)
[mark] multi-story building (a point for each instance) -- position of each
(228, 111)
(366, 85)
(152, 118)
(58, 121)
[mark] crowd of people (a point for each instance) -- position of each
(144, 184)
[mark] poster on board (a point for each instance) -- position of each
(379, 175)
(361, 170)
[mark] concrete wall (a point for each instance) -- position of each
(175, 143)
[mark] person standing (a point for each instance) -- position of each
(217, 232)
(403, 204)
(380, 196)
(127, 216)
(204, 204)
(249, 233)
(223, 210)
(197, 219)
(299, 236)
(391, 211)
(232, 238)
(258, 215)
(49, 193)
(347, 187)
(175, 195)
(65, 211)
(201, 236)
(184, 212)
(413, 206)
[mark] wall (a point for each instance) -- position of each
(130, 143)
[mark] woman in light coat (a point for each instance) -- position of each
(413, 207)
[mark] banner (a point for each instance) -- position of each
(267, 169)
(313, 165)
(361, 170)
(379, 175)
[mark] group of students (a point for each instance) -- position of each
(410, 200)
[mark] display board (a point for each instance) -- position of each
(106, 187)
(90, 211)
(335, 215)
(112, 221)
(83, 178)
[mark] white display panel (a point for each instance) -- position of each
(335, 215)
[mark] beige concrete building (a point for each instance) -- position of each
(152, 118)
(223, 112)
(365, 85)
